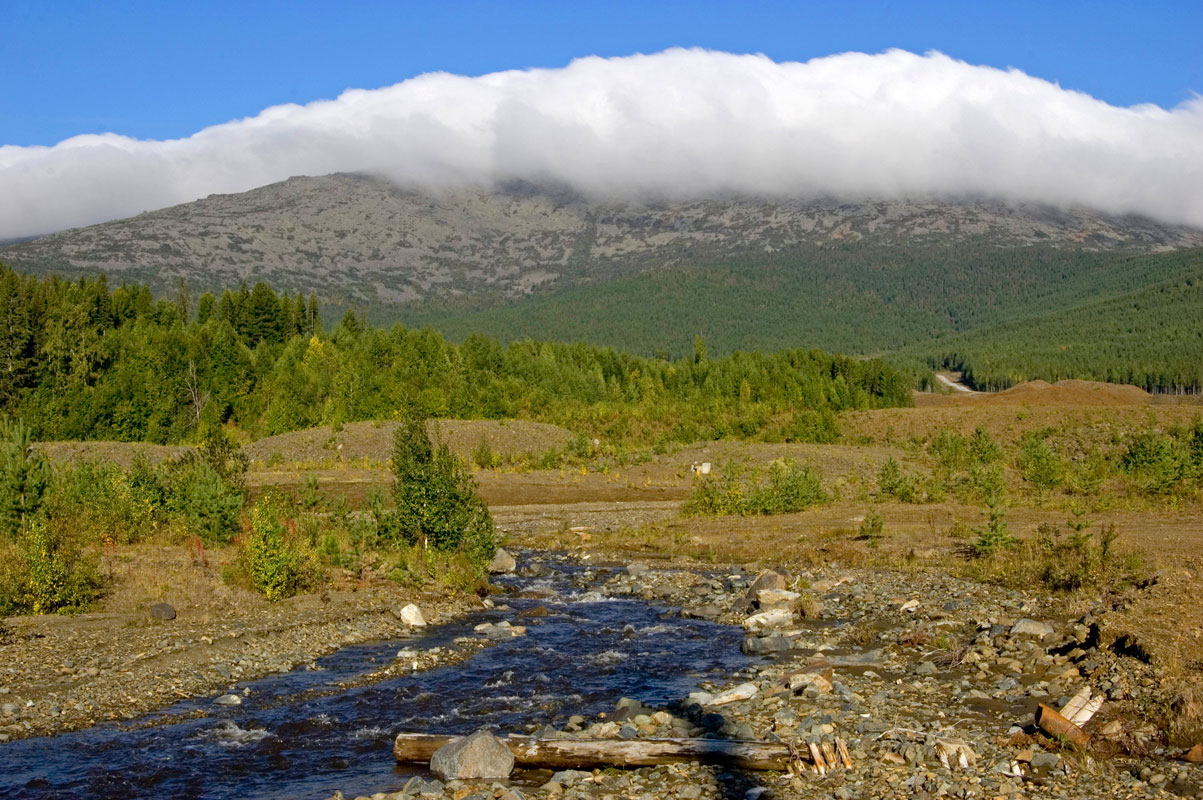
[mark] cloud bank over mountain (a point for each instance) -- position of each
(674, 125)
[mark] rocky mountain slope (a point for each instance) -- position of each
(359, 239)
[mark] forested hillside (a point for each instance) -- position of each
(1151, 337)
(78, 360)
(1002, 316)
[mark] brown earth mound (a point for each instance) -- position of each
(374, 440)
(121, 454)
(1072, 392)
(1043, 393)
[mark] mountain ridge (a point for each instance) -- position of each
(360, 240)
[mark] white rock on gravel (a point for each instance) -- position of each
(745, 691)
(411, 615)
(773, 618)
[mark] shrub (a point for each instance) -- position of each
(951, 453)
(1040, 465)
(982, 448)
(436, 499)
(1078, 560)
(47, 572)
(872, 528)
(213, 507)
(994, 535)
(273, 559)
(100, 501)
(791, 487)
(1160, 459)
(893, 482)
(788, 487)
(483, 455)
(1064, 563)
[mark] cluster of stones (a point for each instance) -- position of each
(931, 682)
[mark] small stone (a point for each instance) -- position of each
(637, 569)
(910, 606)
(774, 618)
(502, 563)
(926, 668)
(776, 598)
(1195, 754)
(1045, 760)
(164, 611)
(708, 611)
(229, 700)
(745, 691)
(761, 645)
(411, 615)
(1030, 627)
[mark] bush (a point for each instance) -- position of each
(994, 536)
(1163, 460)
(272, 558)
(983, 449)
(1076, 561)
(788, 487)
(436, 499)
(872, 528)
(46, 572)
(1064, 563)
(893, 482)
(1040, 465)
(213, 507)
(101, 502)
(791, 487)
(483, 455)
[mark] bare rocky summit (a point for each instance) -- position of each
(361, 239)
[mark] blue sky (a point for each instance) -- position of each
(166, 69)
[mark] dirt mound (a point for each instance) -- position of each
(1043, 393)
(121, 454)
(1070, 392)
(374, 440)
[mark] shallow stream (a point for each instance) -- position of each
(302, 735)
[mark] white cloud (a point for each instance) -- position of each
(681, 123)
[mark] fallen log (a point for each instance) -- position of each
(592, 753)
(1052, 723)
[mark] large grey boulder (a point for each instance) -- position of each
(481, 755)
(768, 579)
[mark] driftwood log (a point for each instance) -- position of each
(592, 753)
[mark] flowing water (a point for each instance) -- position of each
(300, 735)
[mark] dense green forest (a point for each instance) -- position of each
(1152, 338)
(79, 360)
(993, 312)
